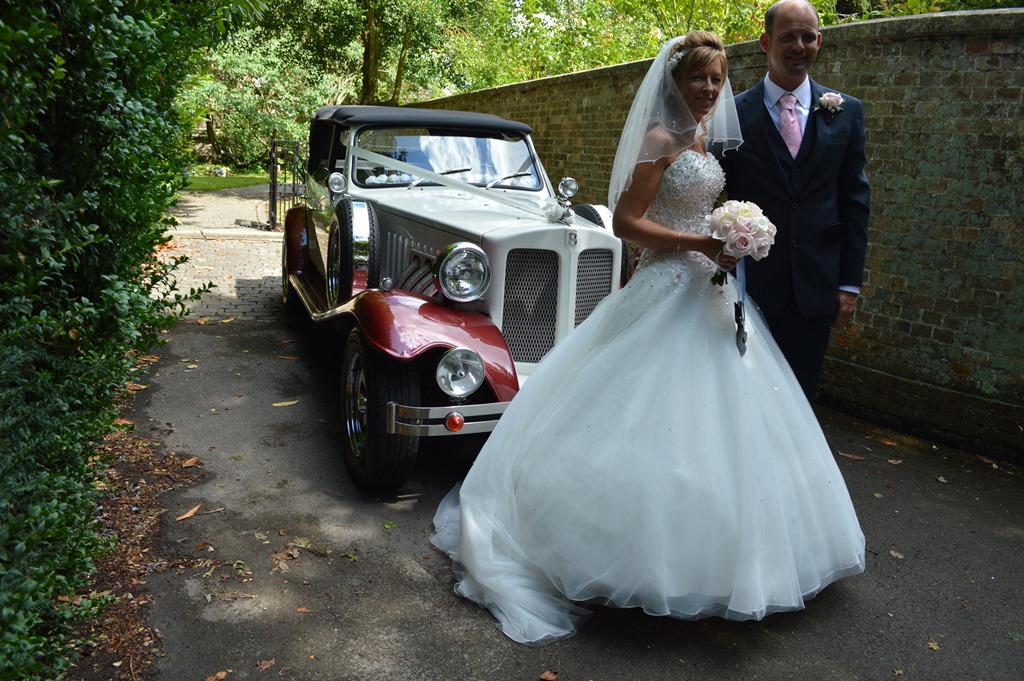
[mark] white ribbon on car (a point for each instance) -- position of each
(452, 183)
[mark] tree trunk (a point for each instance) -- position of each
(371, 54)
(406, 42)
(211, 137)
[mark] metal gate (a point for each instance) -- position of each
(287, 177)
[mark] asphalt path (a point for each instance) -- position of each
(289, 571)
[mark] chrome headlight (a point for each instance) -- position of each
(568, 187)
(462, 272)
(460, 372)
(336, 181)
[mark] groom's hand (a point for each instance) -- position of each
(847, 304)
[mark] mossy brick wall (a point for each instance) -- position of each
(937, 345)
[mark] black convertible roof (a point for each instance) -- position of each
(411, 116)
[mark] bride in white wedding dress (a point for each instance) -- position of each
(646, 463)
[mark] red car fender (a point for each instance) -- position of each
(296, 240)
(405, 325)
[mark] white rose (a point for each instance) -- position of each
(831, 100)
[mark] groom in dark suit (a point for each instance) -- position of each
(803, 163)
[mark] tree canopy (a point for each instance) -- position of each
(304, 53)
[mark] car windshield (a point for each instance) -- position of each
(482, 158)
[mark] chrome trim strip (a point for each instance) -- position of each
(429, 421)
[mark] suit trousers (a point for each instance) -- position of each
(803, 341)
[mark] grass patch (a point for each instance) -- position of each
(206, 183)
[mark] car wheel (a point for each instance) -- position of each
(369, 380)
(339, 255)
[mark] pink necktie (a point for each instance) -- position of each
(789, 127)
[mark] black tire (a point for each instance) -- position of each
(369, 380)
(339, 254)
(588, 212)
(373, 263)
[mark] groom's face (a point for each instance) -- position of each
(792, 45)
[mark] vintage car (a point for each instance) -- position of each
(436, 242)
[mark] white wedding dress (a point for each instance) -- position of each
(647, 464)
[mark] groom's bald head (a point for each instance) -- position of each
(773, 12)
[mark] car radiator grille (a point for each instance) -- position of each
(593, 281)
(531, 301)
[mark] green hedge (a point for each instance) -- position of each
(91, 155)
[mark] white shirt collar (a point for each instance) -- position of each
(772, 92)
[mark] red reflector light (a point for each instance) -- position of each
(454, 422)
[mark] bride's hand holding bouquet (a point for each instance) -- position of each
(744, 229)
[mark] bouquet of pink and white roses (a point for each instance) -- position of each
(744, 229)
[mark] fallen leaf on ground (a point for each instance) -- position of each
(549, 676)
(941, 479)
(895, 462)
(933, 645)
(303, 610)
(896, 671)
(219, 676)
(189, 513)
(855, 457)
(189, 463)
(228, 320)
(135, 387)
(285, 404)
(311, 545)
(266, 664)
(888, 443)
(388, 525)
(287, 554)
(877, 495)
(202, 321)
(288, 357)
(895, 554)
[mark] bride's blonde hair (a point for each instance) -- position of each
(699, 49)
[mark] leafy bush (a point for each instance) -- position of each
(92, 156)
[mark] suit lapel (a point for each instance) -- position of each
(822, 129)
(755, 131)
(758, 127)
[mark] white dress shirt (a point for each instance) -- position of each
(772, 94)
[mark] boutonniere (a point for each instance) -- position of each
(832, 103)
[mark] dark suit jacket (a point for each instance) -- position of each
(819, 202)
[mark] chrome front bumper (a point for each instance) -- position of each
(430, 421)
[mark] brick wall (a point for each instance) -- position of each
(937, 346)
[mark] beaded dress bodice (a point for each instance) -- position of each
(688, 192)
